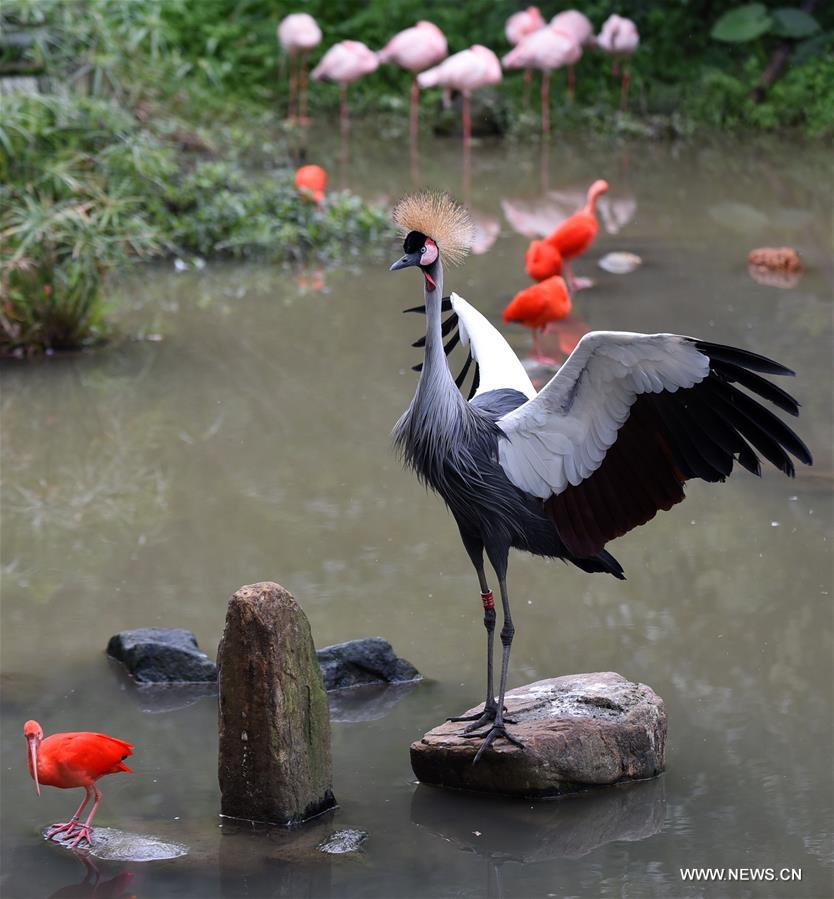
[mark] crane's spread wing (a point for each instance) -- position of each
(496, 365)
(629, 418)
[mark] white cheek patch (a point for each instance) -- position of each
(431, 253)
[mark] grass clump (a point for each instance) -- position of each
(87, 188)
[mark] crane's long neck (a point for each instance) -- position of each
(435, 374)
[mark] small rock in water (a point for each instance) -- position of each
(162, 655)
(580, 730)
(620, 263)
(368, 661)
(120, 846)
(344, 841)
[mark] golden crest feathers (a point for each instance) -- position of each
(439, 217)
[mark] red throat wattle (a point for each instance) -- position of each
(429, 281)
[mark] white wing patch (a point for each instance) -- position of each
(499, 366)
(561, 436)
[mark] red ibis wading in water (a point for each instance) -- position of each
(74, 760)
(609, 441)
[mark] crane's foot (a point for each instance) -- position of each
(85, 832)
(497, 730)
(480, 719)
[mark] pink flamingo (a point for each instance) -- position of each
(579, 26)
(518, 26)
(546, 49)
(619, 37)
(466, 71)
(415, 49)
(345, 62)
(298, 34)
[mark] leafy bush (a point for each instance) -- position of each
(88, 188)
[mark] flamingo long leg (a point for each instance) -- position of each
(624, 89)
(85, 830)
(303, 89)
(528, 80)
(293, 89)
(70, 825)
(467, 143)
(415, 101)
(545, 101)
(572, 83)
(343, 113)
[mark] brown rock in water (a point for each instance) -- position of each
(580, 730)
(275, 763)
(775, 259)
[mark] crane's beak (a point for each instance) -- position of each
(33, 752)
(406, 261)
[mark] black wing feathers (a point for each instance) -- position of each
(669, 438)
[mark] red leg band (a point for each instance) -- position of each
(487, 600)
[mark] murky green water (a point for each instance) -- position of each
(250, 441)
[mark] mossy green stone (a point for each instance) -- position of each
(275, 764)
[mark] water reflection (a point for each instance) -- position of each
(92, 886)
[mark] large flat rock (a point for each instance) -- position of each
(579, 731)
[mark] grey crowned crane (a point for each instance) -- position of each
(611, 439)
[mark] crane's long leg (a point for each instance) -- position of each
(490, 706)
(507, 632)
(85, 831)
(70, 825)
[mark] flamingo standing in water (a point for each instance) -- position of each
(620, 38)
(298, 34)
(518, 26)
(74, 760)
(546, 49)
(415, 49)
(537, 306)
(576, 234)
(466, 71)
(343, 63)
(579, 26)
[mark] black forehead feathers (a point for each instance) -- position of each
(414, 240)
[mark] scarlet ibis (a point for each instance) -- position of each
(538, 305)
(610, 440)
(74, 760)
(545, 49)
(415, 49)
(542, 260)
(343, 63)
(311, 181)
(619, 38)
(518, 26)
(576, 234)
(298, 34)
(466, 71)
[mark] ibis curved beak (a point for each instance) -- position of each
(33, 753)
(408, 260)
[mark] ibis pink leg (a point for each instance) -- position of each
(85, 830)
(70, 825)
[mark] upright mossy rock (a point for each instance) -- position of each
(275, 764)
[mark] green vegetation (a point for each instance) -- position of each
(134, 149)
